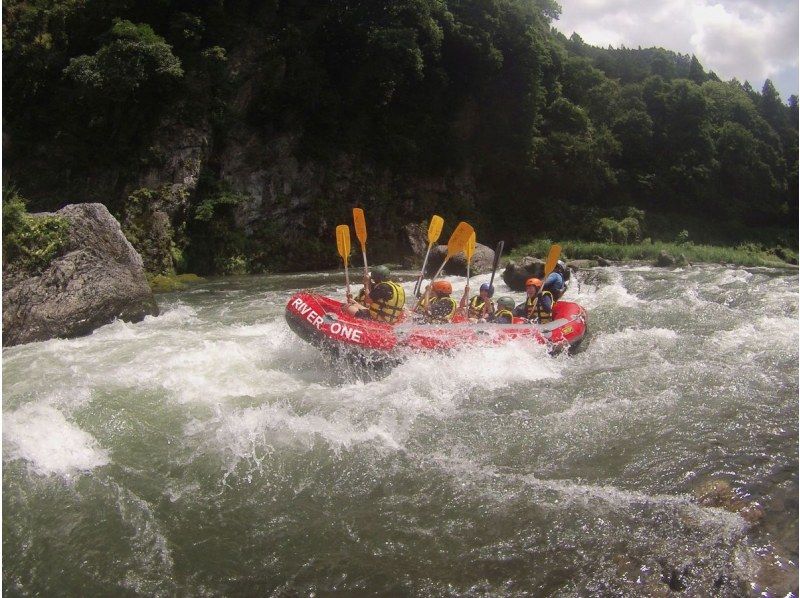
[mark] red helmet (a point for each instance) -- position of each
(442, 286)
(533, 281)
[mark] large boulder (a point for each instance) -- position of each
(98, 277)
(665, 260)
(482, 261)
(417, 237)
(517, 272)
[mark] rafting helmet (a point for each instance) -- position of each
(505, 303)
(560, 266)
(488, 288)
(533, 281)
(380, 273)
(442, 286)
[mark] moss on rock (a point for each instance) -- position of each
(167, 283)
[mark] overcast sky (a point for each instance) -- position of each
(751, 40)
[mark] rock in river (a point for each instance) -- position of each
(97, 278)
(517, 272)
(482, 261)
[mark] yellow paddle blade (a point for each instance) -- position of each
(435, 229)
(459, 239)
(469, 250)
(552, 258)
(361, 226)
(343, 242)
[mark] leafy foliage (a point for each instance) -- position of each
(561, 137)
(30, 242)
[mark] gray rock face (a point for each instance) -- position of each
(417, 237)
(284, 196)
(665, 260)
(516, 273)
(482, 261)
(601, 261)
(98, 278)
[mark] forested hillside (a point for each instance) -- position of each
(234, 136)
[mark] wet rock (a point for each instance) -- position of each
(592, 278)
(720, 494)
(517, 272)
(582, 264)
(417, 237)
(665, 260)
(482, 261)
(601, 261)
(97, 279)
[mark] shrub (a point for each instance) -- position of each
(608, 230)
(631, 229)
(787, 255)
(30, 242)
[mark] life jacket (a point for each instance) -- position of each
(535, 311)
(444, 317)
(504, 313)
(476, 305)
(422, 305)
(389, 310)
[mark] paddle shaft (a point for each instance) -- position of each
(497, 253)
(418, 286)
(550, 265)
(367, 284)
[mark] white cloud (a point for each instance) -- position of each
(748, 39)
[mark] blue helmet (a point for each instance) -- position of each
(488, 288)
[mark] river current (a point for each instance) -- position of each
(210, 452)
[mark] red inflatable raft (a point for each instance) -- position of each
(324, 322)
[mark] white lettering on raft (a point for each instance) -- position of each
(353, 334)
(305, 310)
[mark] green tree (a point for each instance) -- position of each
(133, 63)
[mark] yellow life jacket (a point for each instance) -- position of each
(443, 317)
(476, 305)
(389, 310)
(422, 305)
(504, 313)
(535, 311)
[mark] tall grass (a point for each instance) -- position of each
(743, 255)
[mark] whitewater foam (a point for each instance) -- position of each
(42, 436)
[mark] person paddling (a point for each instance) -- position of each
(441, 307)
(538, 307)
(557, 281)
(505, 311)
(381, 299)
(481, 307)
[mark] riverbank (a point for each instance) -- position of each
(743, 255)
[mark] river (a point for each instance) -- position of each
(210, 452)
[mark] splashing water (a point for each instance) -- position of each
(209, 451)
